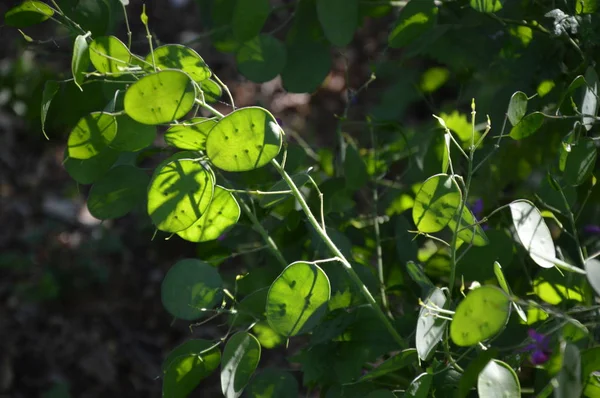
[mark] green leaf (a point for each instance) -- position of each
(109, 55)
(271, 200)
(212, 90)
(246, 139)
(179, 193)
(517, 107)
(569, 377)
(50, 89)
(160, 97)
(117, 192)
(273, 383)
(27, 13)
(436, 203)
(415, 19)
(498, 380)
(590, 361)
(176, 56)
(191, 134)
(91, 135)
(187, 365)
(527, 126)
(472, 371)
(430, 328)
(420, 386)
(240, 359)
(533, 232)
(580, 161)
(487, 6)
(393, 364)
(587, 6)
(339, 19)
(504, 285)
(86, 171)
(417, 274)
(131, 135)
(481, 315)
(81, 59)
(474, 234)
(261, 58)
(592, 268)
(589, 105)
(308, 53)
(355, 168)
(249, 17)
(222, 213)
(297, 299)
(190, 287)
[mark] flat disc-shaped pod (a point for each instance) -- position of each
(131, 135)
(109, 55)
(240, 359)
(190, 287)
(436, 203)
(176, 56)
(222, 213)
(533, 232)
(190, 135)
(498, 380)
(244, 140)
(28, 13)
(187, 365)
(430, 328)
(179, 194)
(261, 59)
(212, 90)
(160, 97)
(474, 234)
(86, 171)
(91, 135)
(117, 192)
(481, 315)
(297, 299)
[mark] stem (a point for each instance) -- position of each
(128, 28)
(573, 227)
(346, 264)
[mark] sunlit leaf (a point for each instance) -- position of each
(504, 285)
(430, 328)
(481, 315)
(589, 105)
(487, 6)
(92, 134)
(117, 192)
(222, 213)
(298, 299)
(517, 107)
(498, 380)
(190, 135)
(592, 267)
(190, 287)
(469, 231)
(261, 58)
(27, 13)
(109, 55)
(471, 374)
(527, 126)
(240, 359)
(176, 56)
(433, 79)
(244, 140)
(131, 135)
(179, 193)
(160, 97)
(86, 171)
(248, 19)
(187, 365)
(533, 233)
(416, 18)
(436, 203)
(80, 60)
(339, 19)
(569, 377)
(211, 90)
(420, 386)
(580, 161)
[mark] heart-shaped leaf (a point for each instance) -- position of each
(176, 56)
(533, 232)
(91, 135)
(517, 107)
(109, 55)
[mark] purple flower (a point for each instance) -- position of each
(539, 349)
(279, 121)
(222, 237)
(592, 229)
(477, 210)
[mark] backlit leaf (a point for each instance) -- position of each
(27, 13)
(436, 203)
(81, 59)
(416, 18)
(487, 6)
(527, 126)
(469, 231)
(479, 316)
(176, 56)
(91, 135)
(297, 299)
(109, 55)
(191, 134)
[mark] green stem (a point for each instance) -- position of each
(336, 252)
(573, 227)
(128, 28)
